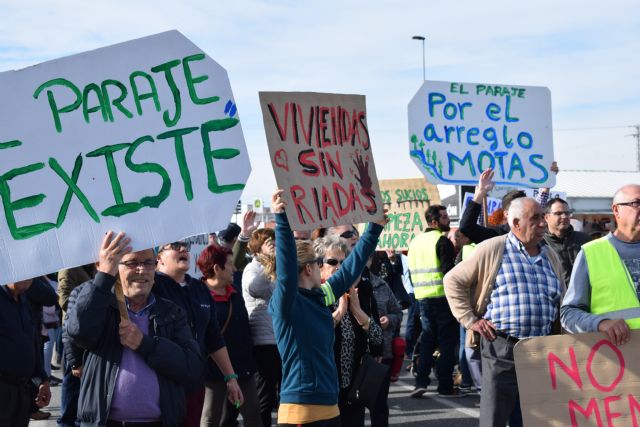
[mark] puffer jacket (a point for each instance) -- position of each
(256, 291)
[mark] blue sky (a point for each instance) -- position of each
(586, 52)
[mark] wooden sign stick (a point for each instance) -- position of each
(122, 305)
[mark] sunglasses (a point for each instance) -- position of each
(176, 246)
(348, 234)
(333, 262)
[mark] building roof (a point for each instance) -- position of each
(594, 184)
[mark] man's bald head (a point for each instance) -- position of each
(625, 192)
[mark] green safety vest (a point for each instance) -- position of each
(329, 297)
(613, 293)
(424, 265)
(467, 250)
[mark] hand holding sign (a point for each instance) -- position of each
(616, 330)
(112, 251)
(277, 204)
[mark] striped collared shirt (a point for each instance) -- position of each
(526, 296)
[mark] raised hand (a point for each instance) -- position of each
(111, 252)
(485, 184)
(277, 203)
(248, 224)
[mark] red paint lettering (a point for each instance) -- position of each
(298, 203)
(327, 203)
(607, 410)
(362, 118)
(592, 355)
(335, 165)
(339, 191)
(572, 371)
(634, 406)
(309, 130)
(282, 130)
(323, 140)
(305, 158)
(592, 407)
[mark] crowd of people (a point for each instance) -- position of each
(308, 324)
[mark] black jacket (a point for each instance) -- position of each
(237, 336)
(167, 348)
(477, 233)
(567, 248)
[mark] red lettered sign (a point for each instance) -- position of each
(579, 380)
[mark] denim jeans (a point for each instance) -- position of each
(69, 394)
(412, 328)
(439, 330)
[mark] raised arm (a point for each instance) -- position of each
(469, 221)
(353, 265)
(286, 290)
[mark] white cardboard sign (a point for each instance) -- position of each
(141, 137)
(457, 130)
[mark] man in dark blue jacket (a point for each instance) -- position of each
(135, 368)
(20, 358)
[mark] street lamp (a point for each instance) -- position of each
(423, 61)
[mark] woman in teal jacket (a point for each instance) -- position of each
(303, 324)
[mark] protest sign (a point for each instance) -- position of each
(578, 380)
(533, 193)
(321, 155)
(457, 130)
(141, 137)
(406, 201)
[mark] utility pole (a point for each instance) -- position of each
(636, 135)
(424, 67)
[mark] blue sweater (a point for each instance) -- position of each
(302, 323)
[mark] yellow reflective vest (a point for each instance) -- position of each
(424, 265)
(613, 293)
(467, 250)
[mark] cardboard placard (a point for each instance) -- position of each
(406, 201)
(141, 137)
(321, 155)
(578, 380)
(457, 130)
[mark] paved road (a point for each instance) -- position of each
(430, 410)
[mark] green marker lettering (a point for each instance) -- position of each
(117, 102)
(177, 135)
(220, 154)
(192, 81)
(72, 183)
(25, 232)
(55, 111)
(137, 97)
(150, 201)
(120, 208)
(166, 68)
(92, 87)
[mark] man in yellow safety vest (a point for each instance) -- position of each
(431, 256)
(605, 284)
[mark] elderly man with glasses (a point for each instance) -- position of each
(604, 290)
(561, 236)
(134, 369)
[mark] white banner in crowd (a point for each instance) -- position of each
(457, 130)
(141, 137)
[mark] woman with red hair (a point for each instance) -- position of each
(216, 265)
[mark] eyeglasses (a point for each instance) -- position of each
(634, 204)
(333, 262)
(176, 246)
(348, 234)
(148, 264)
(318, 261)
(562, 213)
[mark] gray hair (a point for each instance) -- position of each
(516, 210)
(330, 242)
